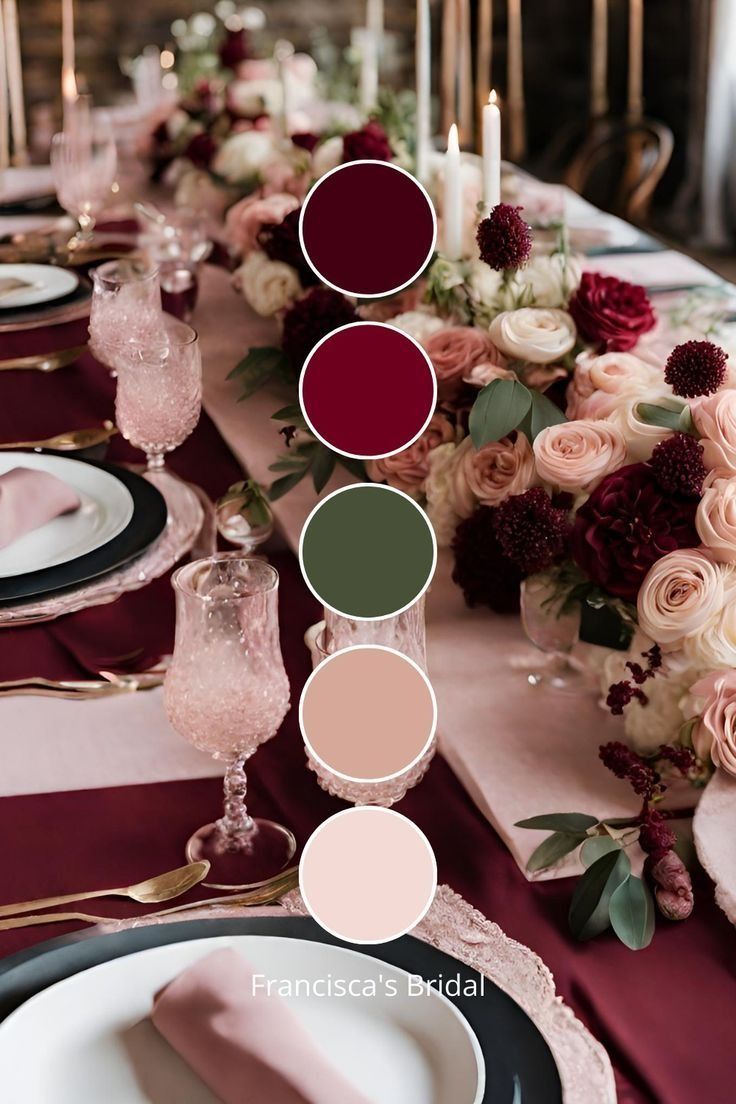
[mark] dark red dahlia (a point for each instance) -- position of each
(280, 242)
(696, 368)
(305, 140)
(531, 532)
(311, 318)
(234, 49)
(504, 239)
(611, 313)
(201, 149)
(485, 576)
(628, 523)
(368, 144)
(677, 463)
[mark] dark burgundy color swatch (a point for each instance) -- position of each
(368, 228)
(368, 390)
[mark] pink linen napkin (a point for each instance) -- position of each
(30, 498)
(247, 1046)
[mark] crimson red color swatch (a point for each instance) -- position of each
(368, 228)
(368, 390)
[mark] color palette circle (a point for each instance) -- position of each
(368, 228)
(367, 551)
(368, 875)
(368, 713)
(368, 390)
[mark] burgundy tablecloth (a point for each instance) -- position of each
(664, 1014)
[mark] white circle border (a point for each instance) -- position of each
(371, 294)
(384, 777)
(371, 455)
(371, 810)
(383, 487)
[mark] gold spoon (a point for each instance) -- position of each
(70, 441)
(161, 888)
(43, 362)
(265, 894)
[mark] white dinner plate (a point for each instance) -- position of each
(48, 282)
(88, 1038)
(106, 509)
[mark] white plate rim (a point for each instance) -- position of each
(30, 297)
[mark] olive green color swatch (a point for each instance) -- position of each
(367, 551)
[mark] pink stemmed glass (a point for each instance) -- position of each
(125, 313)
(159, 393)
(227, 692)
(83, 164)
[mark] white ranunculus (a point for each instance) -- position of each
(484, 285)
(551, 279)
(533, 334)
(641, 437)
(440, 510)
(268, 286)
(256, 97)
(714, 646)
(328, 155)
(418, 324)
(241, 157)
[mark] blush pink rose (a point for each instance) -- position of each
(245, 219)
(715, 420)
(715, 520)
(602, 384)
(576, 455)
(485, 373)
(681, 594)
(407, 470)
(715, 733)
(454, 352)
(487, 476)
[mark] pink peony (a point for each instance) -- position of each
(454, 352)
(245, 219)
(490, 474)
(408, 469)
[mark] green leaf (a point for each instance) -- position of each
(287, 463)
(355, 467)
(560, 822)
(595, 847)
(685, 421)
(554, 848)
(259, 366)
(659, 415)
(544, 413)
(588, 914)
(632, 913)
(499, 408)
(285, 484)
(323, 466)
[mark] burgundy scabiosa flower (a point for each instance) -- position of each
(504, 239)
(201, 149)
(280, 242)
(311, 318)
(370, 143)
(696, 368)
(531, 532)
(305, 140)
(485, 576)
(677, 463)
(628, 523)
(611, 313)
(235, 48)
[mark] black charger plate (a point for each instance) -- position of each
(515, 1052)
(48, 310)
(145, 526)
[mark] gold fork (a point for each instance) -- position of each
(43, 362)
(76, 689)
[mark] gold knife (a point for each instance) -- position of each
(43, 362)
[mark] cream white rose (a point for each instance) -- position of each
(641, 437)
(328, 155)
(242, 156)
(715, 420)
(716, 520)
(715, 644)
(681, 594)
(256, 97)
(439, 506)
(268, 286)
(418, 324)
(537, 335)
(576, 455)
(551, 279)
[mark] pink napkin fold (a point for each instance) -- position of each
(28, 499)
(247, 1046)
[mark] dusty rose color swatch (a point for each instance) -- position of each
(368, 713)
(368, 875)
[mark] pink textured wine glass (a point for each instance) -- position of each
(125, 313)
(159, 393)
(83, 164)
(227, 692)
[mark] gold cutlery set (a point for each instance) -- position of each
(163, 887)
(108, 686)
(43, 362)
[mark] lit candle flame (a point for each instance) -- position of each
(69, 86)
(453, 144)
(492, 97)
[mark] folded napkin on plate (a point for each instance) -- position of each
(30, 498)
(247, 1046)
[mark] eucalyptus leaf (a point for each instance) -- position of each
(288, 413)
(588, 914)
(631, 910)
(595, 847)
(660, 415)
(544, 413)
(261, 365)
(554, 848)
(498, 409)
(323, 466)
(685, 421)
(355, 467)
(285, 484)
(560, 822)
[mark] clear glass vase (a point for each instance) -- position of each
(554, 630)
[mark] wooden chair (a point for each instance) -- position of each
(620, 164)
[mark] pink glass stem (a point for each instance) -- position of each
(235, 827)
